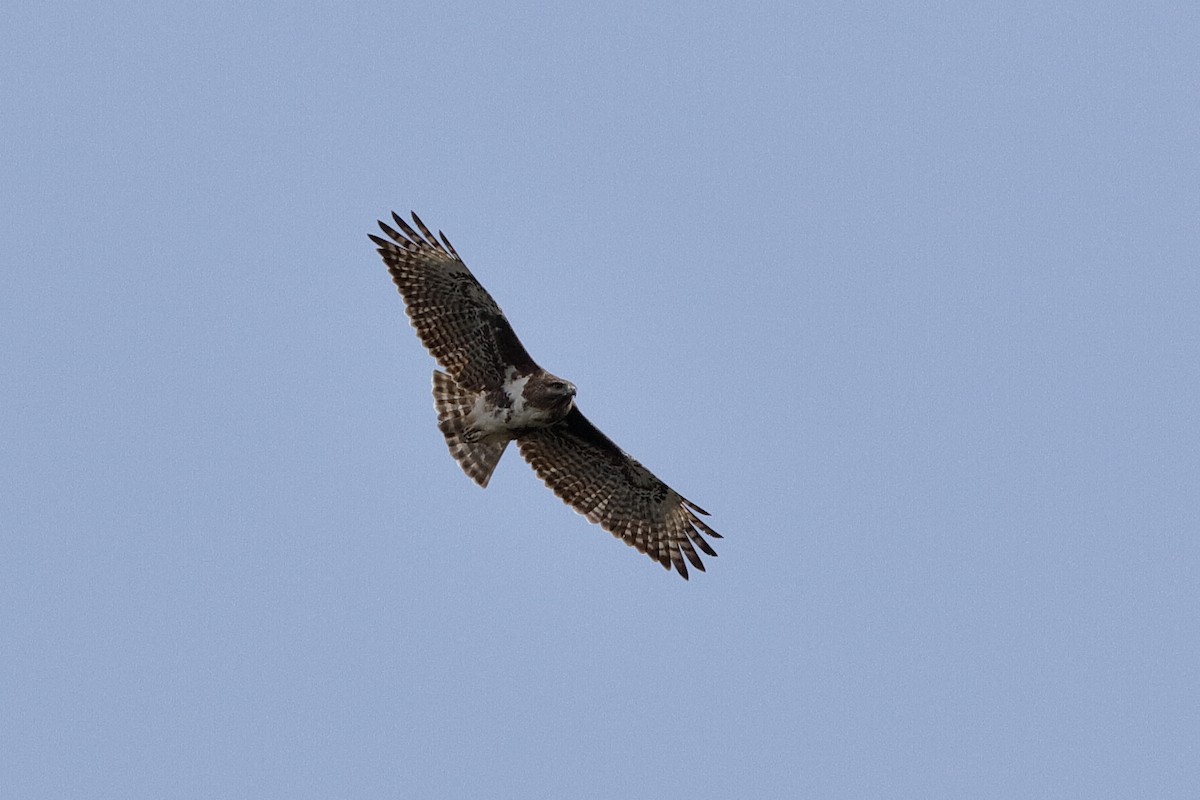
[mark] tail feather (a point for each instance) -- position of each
(453, 404)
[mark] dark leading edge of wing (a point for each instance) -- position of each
(605, 484)
(454, 316)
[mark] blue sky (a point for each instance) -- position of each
(907, 296)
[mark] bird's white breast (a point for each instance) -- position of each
(496, 420)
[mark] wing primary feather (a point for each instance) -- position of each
(690, 552)
(680, 566)
(449, 246)
(396, 237)
(404, 226)
(428, 235)
(704, 546)
(700, 524)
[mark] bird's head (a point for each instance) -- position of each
(563, 391)
(551, 393)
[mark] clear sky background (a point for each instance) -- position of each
(906, 295)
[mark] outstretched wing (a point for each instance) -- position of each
(599, 480)
(456, 319)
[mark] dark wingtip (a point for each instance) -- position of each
(404, 226)
(698, 540)
(417, 220)
(390, 231)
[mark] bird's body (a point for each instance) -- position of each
(522, 403)
(492, 392)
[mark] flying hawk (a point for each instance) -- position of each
(492, 392)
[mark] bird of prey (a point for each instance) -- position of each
(491, 392)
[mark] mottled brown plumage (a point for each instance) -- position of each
(492, 392)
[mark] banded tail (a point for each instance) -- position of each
(453, 404)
